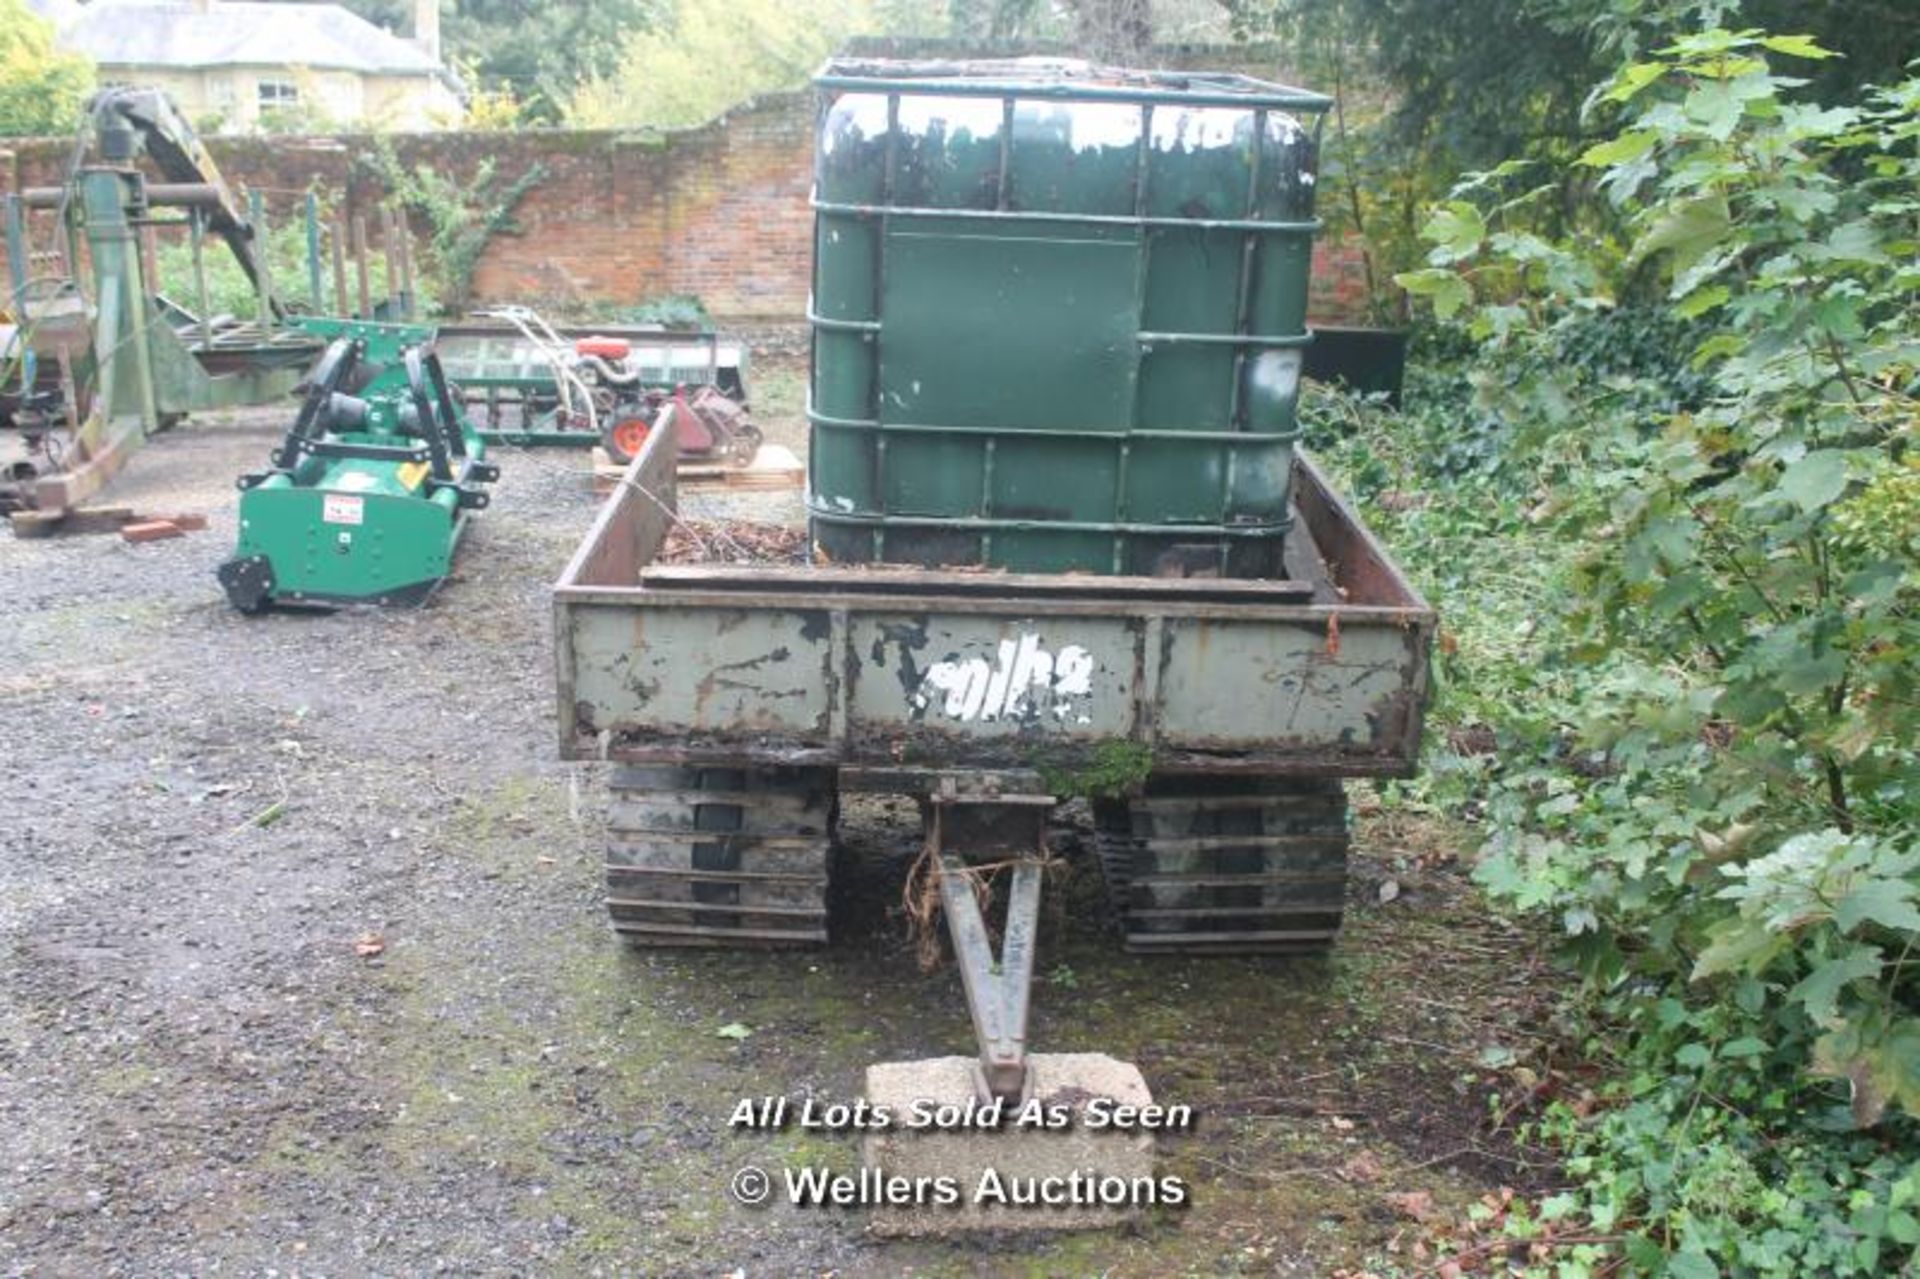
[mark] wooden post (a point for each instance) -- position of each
(360, 265)
(19, 259)
(261, 252)
(337, 241)
(315, 293)
(406, 267)
(197, 237)
(388, 253)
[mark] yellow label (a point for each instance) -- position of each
(410, 474)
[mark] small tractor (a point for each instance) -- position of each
(367, 496)
(610, 388)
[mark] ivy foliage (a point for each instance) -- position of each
(461, 216)
(1749, 567)
(1666, 493)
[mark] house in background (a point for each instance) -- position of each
(234, 65)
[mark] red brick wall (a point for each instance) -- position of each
(719, 212)
(1338, 293)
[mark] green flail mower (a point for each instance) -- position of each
(367, 496)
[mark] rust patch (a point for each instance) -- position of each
(715, 679)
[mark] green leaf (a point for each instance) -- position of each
(1887, 902)
(1856, 241)
(1580, 919)
(1895, 1065)
(1700, 301)
(1694, 1055)
(1692, 1265)
(1716, 106)
(1620, 150)
(734, 1030)
(1457, 228)
(1690, 229)
(1738, 945)
(1444, 288)
(1820, 989)
(1797, 47)
(1815, 480)
(1632, 79)
(1717, 347)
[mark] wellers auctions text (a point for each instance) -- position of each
(872, 1188)
(1096, 1114)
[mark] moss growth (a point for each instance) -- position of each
(1116, 767)
(129, 1078)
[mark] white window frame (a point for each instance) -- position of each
(275, 95)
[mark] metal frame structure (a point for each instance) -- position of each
(120, 358)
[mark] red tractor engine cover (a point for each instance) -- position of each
(604, 348)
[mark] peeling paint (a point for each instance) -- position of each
(1004, 688)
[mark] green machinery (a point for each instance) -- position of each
(124, 360)
(368, 494)
(530, 383)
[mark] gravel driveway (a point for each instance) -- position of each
(305, 972)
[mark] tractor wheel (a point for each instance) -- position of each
(625, 435)
(1204, 866)
(248, 581)
(736, 857)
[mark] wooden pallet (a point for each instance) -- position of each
(774, 467)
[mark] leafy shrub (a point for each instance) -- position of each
(42, 86)
(674, 310)
(1706, 687)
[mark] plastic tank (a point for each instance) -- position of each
(1058, 314)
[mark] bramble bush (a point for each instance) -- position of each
(1670, 506)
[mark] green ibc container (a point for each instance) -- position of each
(1058, 314)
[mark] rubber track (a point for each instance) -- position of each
(1204, 866)
(719, 857)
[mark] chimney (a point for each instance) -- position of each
(426, 27)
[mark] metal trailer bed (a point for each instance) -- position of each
(737, 702)
(877, 671)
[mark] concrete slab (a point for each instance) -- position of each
(1049, 1165)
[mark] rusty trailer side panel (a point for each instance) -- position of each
(1324, 674)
